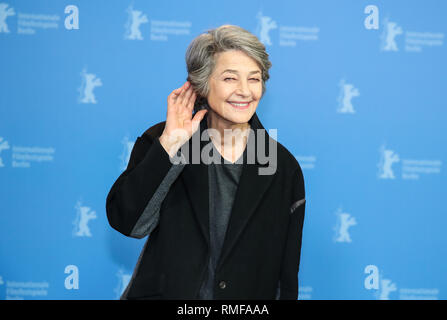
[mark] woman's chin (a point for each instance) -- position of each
(239, 119)
(238, 116)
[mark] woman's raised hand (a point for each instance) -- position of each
(180, 126)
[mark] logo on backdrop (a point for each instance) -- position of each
(72, 280)
(411, 169)
(390, 31)
(374, 280)
(265, 24)
(306, 162)
(72, 20)
(347, 93)
(4, 145)
(344, 222)
(21, 290)
(5, 12)
(289, 35)
(134, 20)
(305, 293)
(160, 30)
(28, 23)
(88, 84)
(83, 216)
(384, 288)
(387, 158)
(414, 40)
(22, 157)
(123, 281)
(372, 20)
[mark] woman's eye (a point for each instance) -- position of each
(234, 79)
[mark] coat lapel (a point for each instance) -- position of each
(251, 189)
(195, 178)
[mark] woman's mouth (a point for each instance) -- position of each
(241, 105)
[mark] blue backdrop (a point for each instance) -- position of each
(357, 93)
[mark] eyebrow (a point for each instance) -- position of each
(236, 72)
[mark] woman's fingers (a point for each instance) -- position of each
(192, 100)
(180, 106)
(172, 98)
(177, 92)
(185, 87)
(197, 118)
(187, 96)
(184, 96)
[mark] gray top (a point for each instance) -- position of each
(223, 180)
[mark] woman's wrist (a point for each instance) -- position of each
(170, 144)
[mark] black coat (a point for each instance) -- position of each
(261, 250)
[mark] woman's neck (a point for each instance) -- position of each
(232, 144)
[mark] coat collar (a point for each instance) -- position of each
(250, 191)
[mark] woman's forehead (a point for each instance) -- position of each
(235, 61)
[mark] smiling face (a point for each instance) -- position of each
(235, 86)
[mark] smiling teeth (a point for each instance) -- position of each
(239, 104)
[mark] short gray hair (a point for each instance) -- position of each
(200, 56)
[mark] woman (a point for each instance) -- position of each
(220, 229)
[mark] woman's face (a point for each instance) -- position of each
(235, 86)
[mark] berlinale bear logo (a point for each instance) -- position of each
(347, 92)
(4, 145)
(123, 281)
(265, 24)
(5, 12)
(89, 82)
(135, 19)
(391, 30)
(83, 216)
(387, 159)
(344, 222)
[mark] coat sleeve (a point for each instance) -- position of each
(134, 201)
(288, 284)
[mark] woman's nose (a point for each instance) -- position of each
(243, 89)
